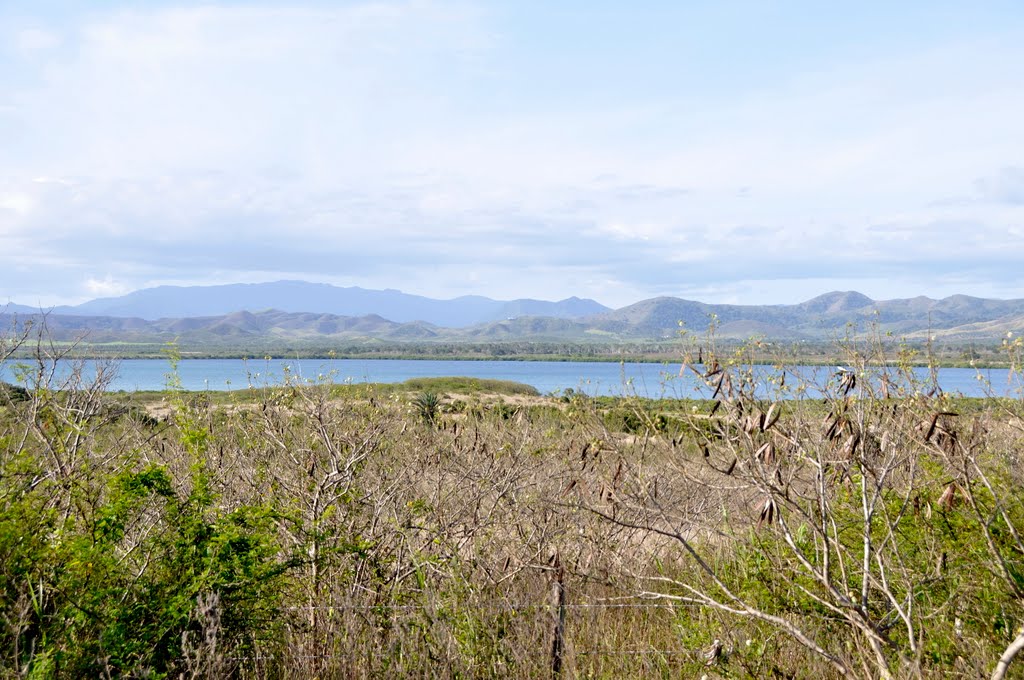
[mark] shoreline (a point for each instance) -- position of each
(761, 360)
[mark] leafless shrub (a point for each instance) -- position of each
(846, 526)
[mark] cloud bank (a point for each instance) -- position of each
(512, 150)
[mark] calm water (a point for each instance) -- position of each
(594, 378)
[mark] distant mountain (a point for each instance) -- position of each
(958, 317)
(300, 296)
(11, 308)
(227, 328)
(836, 302)
(569, 308)
(822, 318)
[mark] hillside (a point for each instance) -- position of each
(957, 318)
(223, 329)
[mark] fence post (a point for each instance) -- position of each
(559, 597)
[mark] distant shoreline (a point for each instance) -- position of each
(942, 359)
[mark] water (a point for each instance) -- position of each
(593, 378)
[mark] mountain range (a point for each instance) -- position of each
(165, 302)
(318, 313)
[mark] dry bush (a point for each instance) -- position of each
(781, 529)
(872, 530)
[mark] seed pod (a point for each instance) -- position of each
(769, 511)
(951, 496)
(766, 454)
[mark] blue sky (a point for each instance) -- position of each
(731, 151)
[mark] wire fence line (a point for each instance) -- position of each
(580, 653)
(537, 651)
(494, 606)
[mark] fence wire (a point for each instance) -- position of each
(527, 648)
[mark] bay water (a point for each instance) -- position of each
(653, 380)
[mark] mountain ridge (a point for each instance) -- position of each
(957, 317)
(301, 296)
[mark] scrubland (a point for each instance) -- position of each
(456, 530)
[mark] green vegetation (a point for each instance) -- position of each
(460, 385)
(13, 393)
(468, 528)
(947, 353)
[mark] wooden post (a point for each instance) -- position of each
(558, 640)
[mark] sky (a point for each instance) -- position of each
(730, 151)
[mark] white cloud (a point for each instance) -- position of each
(105, 287)
(18, 203)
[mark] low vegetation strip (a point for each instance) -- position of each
(461, 385)
(455, 528)
(979, 354)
